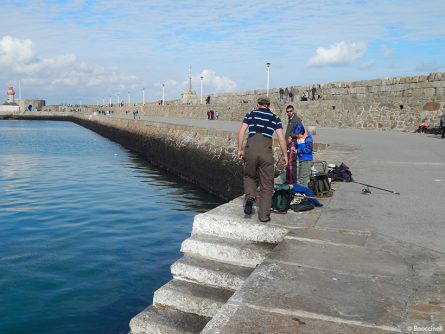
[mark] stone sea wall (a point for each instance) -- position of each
(396, 103)
(204, 157)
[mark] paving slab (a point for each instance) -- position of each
(341, 258)
(371, 300)
(255, 320)
(321, 236)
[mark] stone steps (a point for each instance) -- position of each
(231, 251)
(166, 321)
(191, 297)
(219, 256)
(210, 273)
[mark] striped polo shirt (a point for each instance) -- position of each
(262, 121)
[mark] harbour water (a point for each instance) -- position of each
(87, 229)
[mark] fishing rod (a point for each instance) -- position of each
(367, 191)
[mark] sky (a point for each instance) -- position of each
(94, 51)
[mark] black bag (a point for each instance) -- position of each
(304, 205)
(341, 174)
(281, 200)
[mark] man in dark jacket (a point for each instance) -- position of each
(291, 168)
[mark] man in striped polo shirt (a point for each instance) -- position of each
(260, 123)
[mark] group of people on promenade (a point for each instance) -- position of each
(212, 114)
(289, 93)
(295, 144)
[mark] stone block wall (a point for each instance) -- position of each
(396, 103)
(204, 157)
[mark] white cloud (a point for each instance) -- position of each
(387, 52)
(339, 53)
(18, 59)
(218, 83)
(14, 51)
(18, 55)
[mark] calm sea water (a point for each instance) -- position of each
(87, 230)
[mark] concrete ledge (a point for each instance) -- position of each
(166, 320)
(191, 298)
(225, 221)
(211, 273)
(237, 252)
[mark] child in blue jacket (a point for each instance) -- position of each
(303, 147)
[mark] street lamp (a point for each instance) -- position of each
(201, 87)
(163, 94)
(143, 96)
(267, 86)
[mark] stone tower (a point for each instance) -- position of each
(190, 95)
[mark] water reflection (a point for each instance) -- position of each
(88, 229)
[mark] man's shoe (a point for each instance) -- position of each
(248, 205)
(265, 220)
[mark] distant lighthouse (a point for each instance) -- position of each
(10, 94)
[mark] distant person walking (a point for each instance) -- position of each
(442, 125)
(286, 94)
(281, 94)
(260, 124)
(292, 93)
(314, 91)
(217, 114)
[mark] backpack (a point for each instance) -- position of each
(281, 200)
(320, 185)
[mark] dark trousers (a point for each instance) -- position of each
(259, 170)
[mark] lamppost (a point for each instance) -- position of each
(267, 86)
(163, 94)
(109, 103)
(201, 87)
(143, 96)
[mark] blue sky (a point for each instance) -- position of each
(84, 51)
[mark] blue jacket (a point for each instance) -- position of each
(304, 143)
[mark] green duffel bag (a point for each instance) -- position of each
(281, 200)
(320, 185)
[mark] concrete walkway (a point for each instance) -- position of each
(361, 264)
(410, 163)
